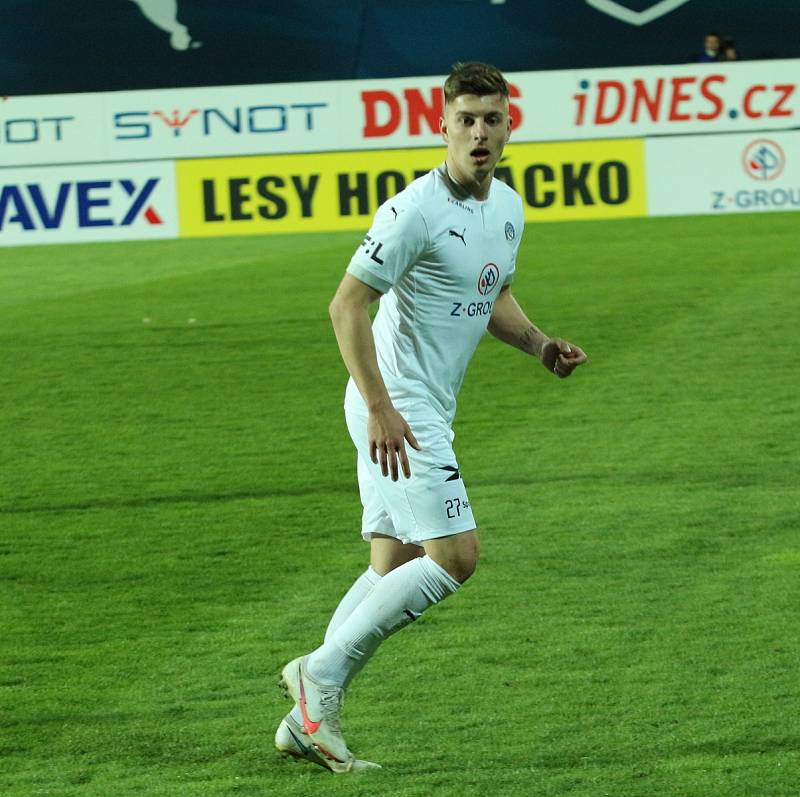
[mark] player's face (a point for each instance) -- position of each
(476, 130)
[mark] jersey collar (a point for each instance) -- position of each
(455, 188)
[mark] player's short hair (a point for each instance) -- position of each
(474, 77)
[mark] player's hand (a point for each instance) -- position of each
(562, 358)
(387, 431)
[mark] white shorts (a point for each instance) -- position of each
(432, 503)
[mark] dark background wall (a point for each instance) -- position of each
(54, 46)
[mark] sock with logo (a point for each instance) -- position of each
(399, 598)
(360, 588)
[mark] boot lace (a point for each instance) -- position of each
(331, 701)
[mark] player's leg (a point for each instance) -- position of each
(432, 504)
(457, 554)
(382, 554)
(317, 682)
(399, 598)
(432, 510)
(388, 553)
(358, 590)
(291, 737)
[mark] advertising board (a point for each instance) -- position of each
(119, 201)
(723, 174)
(396, 113)
(342, 191)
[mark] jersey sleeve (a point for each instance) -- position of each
(396, 240)
(520, 227)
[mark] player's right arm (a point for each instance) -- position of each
(510, 324)
(386, 428)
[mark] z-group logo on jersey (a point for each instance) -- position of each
(488, 279)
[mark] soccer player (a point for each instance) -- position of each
(440, 256)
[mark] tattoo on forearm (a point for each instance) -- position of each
(531, 340)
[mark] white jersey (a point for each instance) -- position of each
(440, 257)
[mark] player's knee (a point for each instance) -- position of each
(463, 559)
(462, 569)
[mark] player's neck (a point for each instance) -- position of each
(477, 189)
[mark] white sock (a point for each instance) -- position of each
(398, 599)
(358, 591)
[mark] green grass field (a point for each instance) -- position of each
(179, 516)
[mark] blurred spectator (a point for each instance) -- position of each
(712, 45)
(729, 49)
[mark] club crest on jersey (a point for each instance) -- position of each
(510, 232)
(489, 277)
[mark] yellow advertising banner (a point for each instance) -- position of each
(341, 191)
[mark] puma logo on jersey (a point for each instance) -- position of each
(460, 235)
(391, 207)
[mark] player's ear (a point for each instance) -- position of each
(443, 128)
(508, 130)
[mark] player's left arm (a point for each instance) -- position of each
(510, 324)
